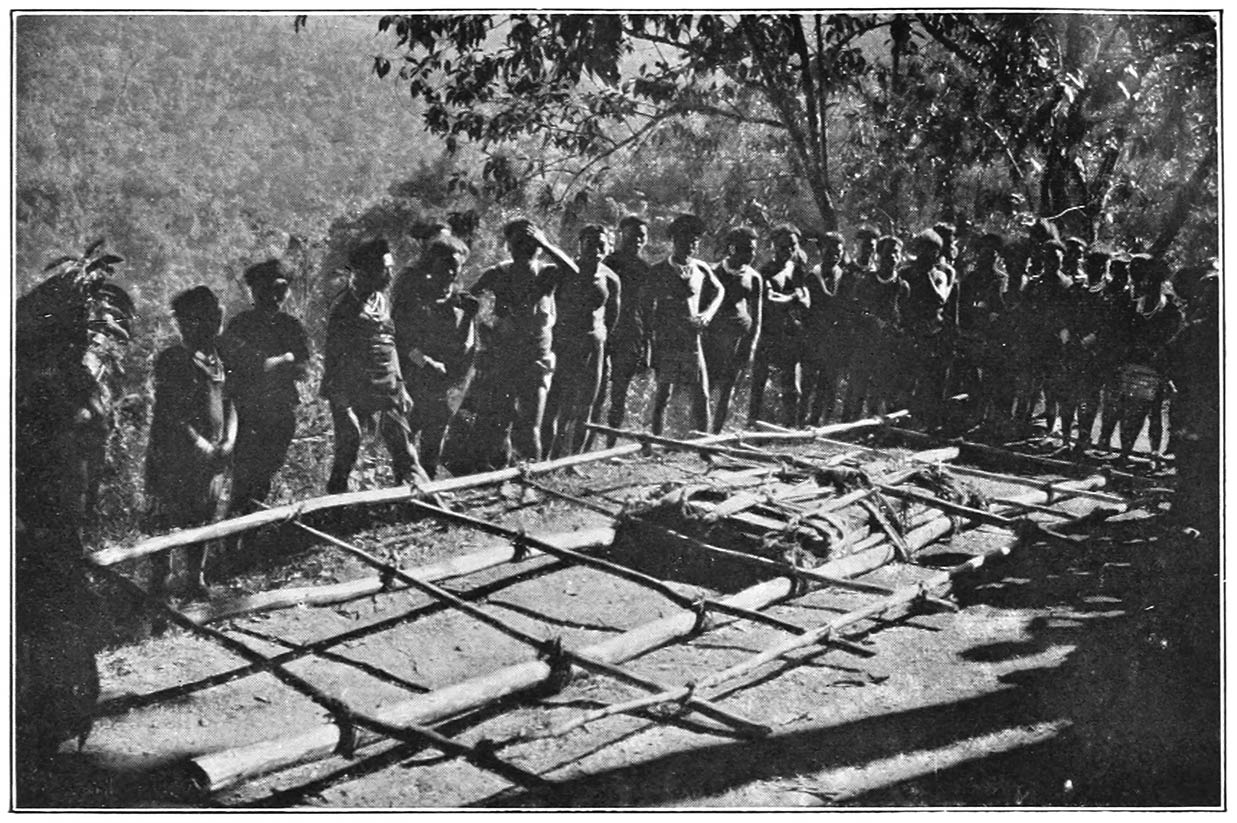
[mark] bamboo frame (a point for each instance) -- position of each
(220, 769)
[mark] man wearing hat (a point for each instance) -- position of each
(677, 286)
(519, 358)
(267, 353)
(361, 377)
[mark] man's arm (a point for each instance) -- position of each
(614, 301)
(756, 306)
(714, 285)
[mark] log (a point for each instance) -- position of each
(352, 589)
(218, 770)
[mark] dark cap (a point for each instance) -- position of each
(866, 233)
(591, 230)
(370, 254)
(269, 271)
(1053, 244)
(831, 238)
(686, 224)
(631, 221)
(198, 301)
(1076, 242)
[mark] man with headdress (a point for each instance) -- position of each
(520, 359)
(678, 317)
(435, 334)
(782, 339)
(361, 377)
(588, 303)
(266, 352)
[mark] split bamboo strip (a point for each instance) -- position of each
(228, 767)
(351, 590)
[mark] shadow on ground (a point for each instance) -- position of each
(1139, 698)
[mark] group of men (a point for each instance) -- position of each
(532, 346)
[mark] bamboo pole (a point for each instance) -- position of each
(352, 589)
(228, 767)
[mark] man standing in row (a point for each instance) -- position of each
(521, 361)
(587, 305)
(435, 335)
(676, 287)
(628, 346)
(267, 354)
(362, 378)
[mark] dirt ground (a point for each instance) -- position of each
(1083, 676)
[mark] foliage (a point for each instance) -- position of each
(887, 115)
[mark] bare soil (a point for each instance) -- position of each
(1072, 676)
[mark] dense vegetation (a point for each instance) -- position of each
(199, 144)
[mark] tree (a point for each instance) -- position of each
(597, 85)
(1069, 101)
